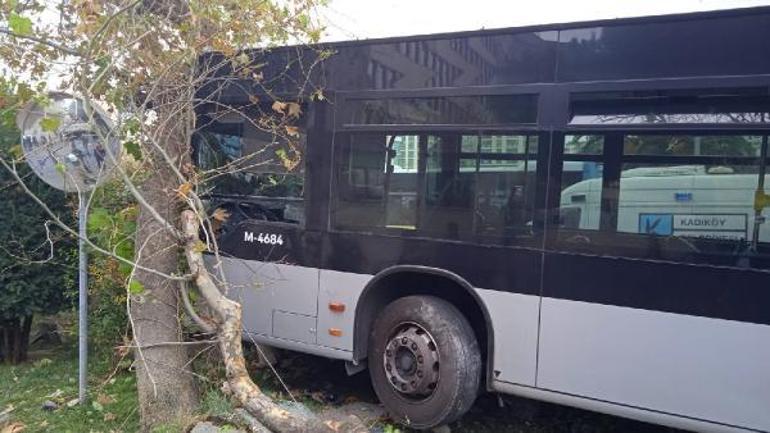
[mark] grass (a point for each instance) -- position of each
(112, 406)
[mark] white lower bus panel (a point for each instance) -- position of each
(700, 368)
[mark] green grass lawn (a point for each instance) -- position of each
(112, 406)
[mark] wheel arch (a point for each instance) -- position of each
(404, 280)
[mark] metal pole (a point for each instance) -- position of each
(82, 300)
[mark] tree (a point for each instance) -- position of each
(142, 59)
(36, 258)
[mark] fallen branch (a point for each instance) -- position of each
(274, 416)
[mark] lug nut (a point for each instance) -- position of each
(414, 346)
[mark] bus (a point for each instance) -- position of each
(574, 213)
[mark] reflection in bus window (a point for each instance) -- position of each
(581, 182)
(505, 194)
(581, 196)
(689, 145)
(405, 153)
(447, 185)
(687, 201)
(361, 182)
(708, 196)
(583, 145)
(448, 198)
(700, 188)
(239, 159)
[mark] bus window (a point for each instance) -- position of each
(400, 181)
(690, 196)
(447, 210)
(698, 187)
(240, 159)
(377, 182)
(688, 145)
(446, 185)
(581, 182)
(505, 194)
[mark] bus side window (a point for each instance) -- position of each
(262, 167)
(443, 185)
(360, 181)
(505, 193)
(581, 182)
(679, 197)
(699, 188)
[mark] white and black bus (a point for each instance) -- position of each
(572, 213)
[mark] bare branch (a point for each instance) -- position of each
(74, 233)
(32, 38)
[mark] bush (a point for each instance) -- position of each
(112, 225)
(37, 259)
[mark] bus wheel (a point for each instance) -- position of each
(424, 361)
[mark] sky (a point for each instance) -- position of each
(362, 19)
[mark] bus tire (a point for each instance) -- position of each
(424, 361)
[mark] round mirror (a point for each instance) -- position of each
(66, 147)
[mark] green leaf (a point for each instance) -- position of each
(199, 247)
(282, 155)
(19, 25)
(97, 406)
(50, 124)
(125, 269)
(125, 250)
(16, 151)
(135, 287)
(132, 147)
(99, 220)
(60, 167)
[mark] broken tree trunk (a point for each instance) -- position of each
(228, 315)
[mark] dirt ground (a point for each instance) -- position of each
(326, 382)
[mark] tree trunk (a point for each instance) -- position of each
(167, 392)
(5, 343)
(14, 340)
(26, 329)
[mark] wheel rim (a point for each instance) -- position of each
(411, 361)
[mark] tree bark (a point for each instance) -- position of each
(5, 343)
(167, 392)
(26, 329)
(14, 340)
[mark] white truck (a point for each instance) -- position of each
(684, 200)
